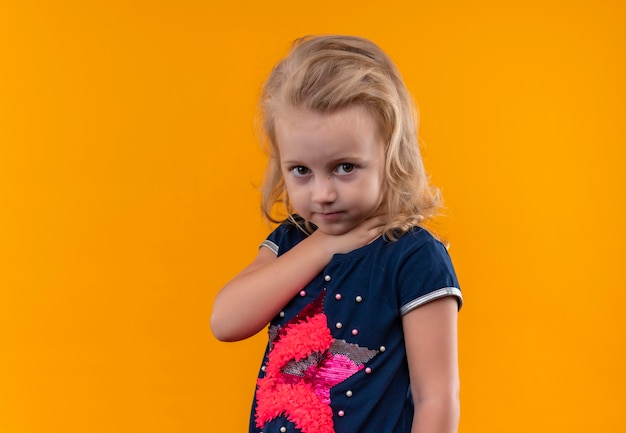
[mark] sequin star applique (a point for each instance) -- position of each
(303, 364)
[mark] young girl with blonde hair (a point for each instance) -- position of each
(360, 299)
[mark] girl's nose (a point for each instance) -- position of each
(323, 191)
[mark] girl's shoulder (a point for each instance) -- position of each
(415, 238)
(286, 235)
(417, 249)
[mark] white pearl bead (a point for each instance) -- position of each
(358, 298)
(327, 278)
(348, 393)
(383, 348)
(338, 325)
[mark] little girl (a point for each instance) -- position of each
(361, 300)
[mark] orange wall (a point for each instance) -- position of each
(128, 168)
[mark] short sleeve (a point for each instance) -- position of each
(283, 238)
(426, 273)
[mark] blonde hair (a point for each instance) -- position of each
(329, 73)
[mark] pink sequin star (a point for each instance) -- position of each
(304, 363)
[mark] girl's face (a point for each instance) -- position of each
(333, 165)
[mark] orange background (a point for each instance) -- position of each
(128, 166)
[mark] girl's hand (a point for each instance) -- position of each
(250, 300)
(359, 236)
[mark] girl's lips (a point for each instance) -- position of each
(329, 216)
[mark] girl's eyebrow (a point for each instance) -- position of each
(331, 162)
(291, 162)
(348, 158)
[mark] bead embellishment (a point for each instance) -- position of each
(283, 429)
(348, 393)
(355, 332)
(338, 296)
(382, 348)
(302, 293)
(338, 325)
(327, 278)
(358, 298)
(341, 413)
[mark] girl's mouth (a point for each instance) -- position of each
(329, 216)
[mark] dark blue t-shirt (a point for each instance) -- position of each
(335, 360)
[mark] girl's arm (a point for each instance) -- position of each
(250, 300)
(431, 343)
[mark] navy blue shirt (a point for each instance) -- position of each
(335, 360)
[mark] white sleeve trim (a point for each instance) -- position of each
(271, 245)
(439, 293)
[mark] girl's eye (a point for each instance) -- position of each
(345, 168)
(300, 170)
